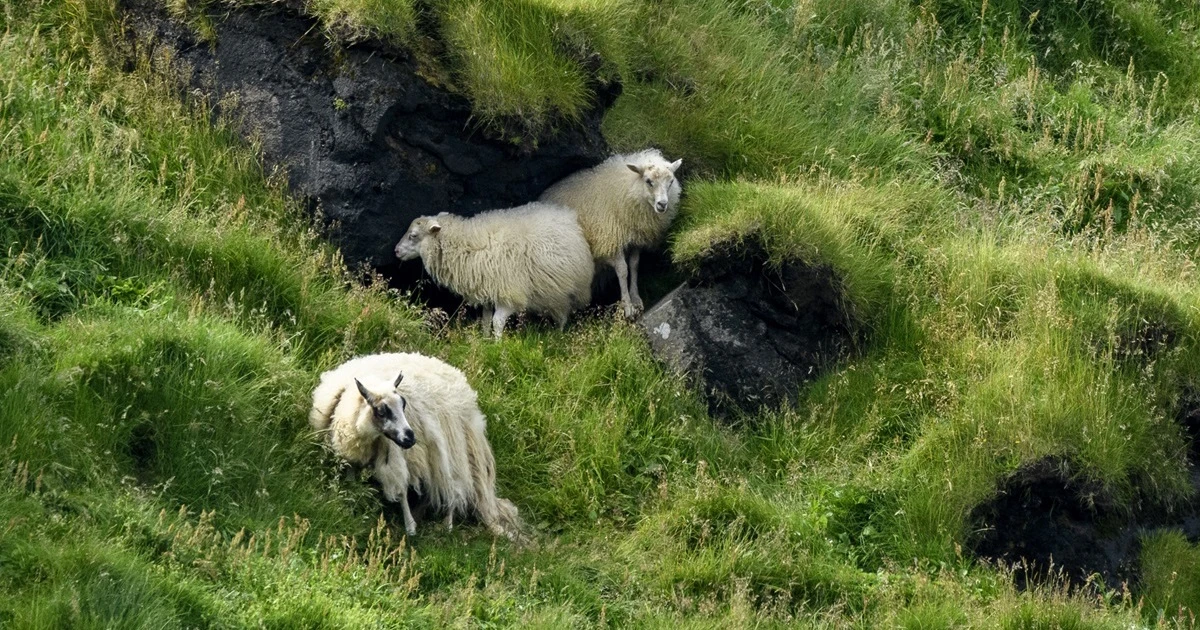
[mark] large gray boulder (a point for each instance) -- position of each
(749, 333)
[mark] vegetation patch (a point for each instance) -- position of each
(1171, 573)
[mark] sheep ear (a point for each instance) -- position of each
(675, 165)
(635, 168)
(367, 396)
(435, 227)
(399, 377)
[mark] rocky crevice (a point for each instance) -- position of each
(1046, 523)
(363, 138)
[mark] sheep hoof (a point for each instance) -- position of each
(631, 313)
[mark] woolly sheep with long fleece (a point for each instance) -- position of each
(625, 204)
(367, 404)
(529, 258)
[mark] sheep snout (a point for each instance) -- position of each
(404, 439)
(405, 251)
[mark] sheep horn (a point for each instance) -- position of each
(367, 396)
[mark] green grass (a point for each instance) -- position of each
(1007, 202)
(504, 55)
(390, 20)
(854, 229)
(1172, 575)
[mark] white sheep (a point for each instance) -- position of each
(625, 204)
(415, 420)
(529, 258)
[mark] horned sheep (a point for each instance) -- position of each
(625, 204)
(416, 422)
(529, 258)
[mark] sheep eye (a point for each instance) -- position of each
(403, 403)
(650, 183)
(383, 412)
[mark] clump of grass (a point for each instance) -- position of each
(507, 59)
(1154, 38)
(394, 21)
(1171, 571)
(713, 84)
(723, 545)
(830, 24)
(588, 424)
(185, 406)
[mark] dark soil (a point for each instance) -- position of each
(1146, 339)
(1043, 520)
(143, 449)
(1189, 419)
(750, 332)
(1043, 517)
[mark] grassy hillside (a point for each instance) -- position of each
(1007, 190)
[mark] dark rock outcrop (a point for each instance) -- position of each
(749, 332)
(1043, 520)
(361, 135)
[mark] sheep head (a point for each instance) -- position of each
(421, 229)
(657, 182)
(387, 413)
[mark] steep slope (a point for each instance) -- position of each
(1005, 191)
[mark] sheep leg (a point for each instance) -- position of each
(486, 320)
(500, 318)
(618, 263)
(635, 256)
(450, 520)
(410, 524)
(560, 318)
(391, 470)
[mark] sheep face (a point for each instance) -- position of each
(657, 182)
(421, 229)
(387, 413)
